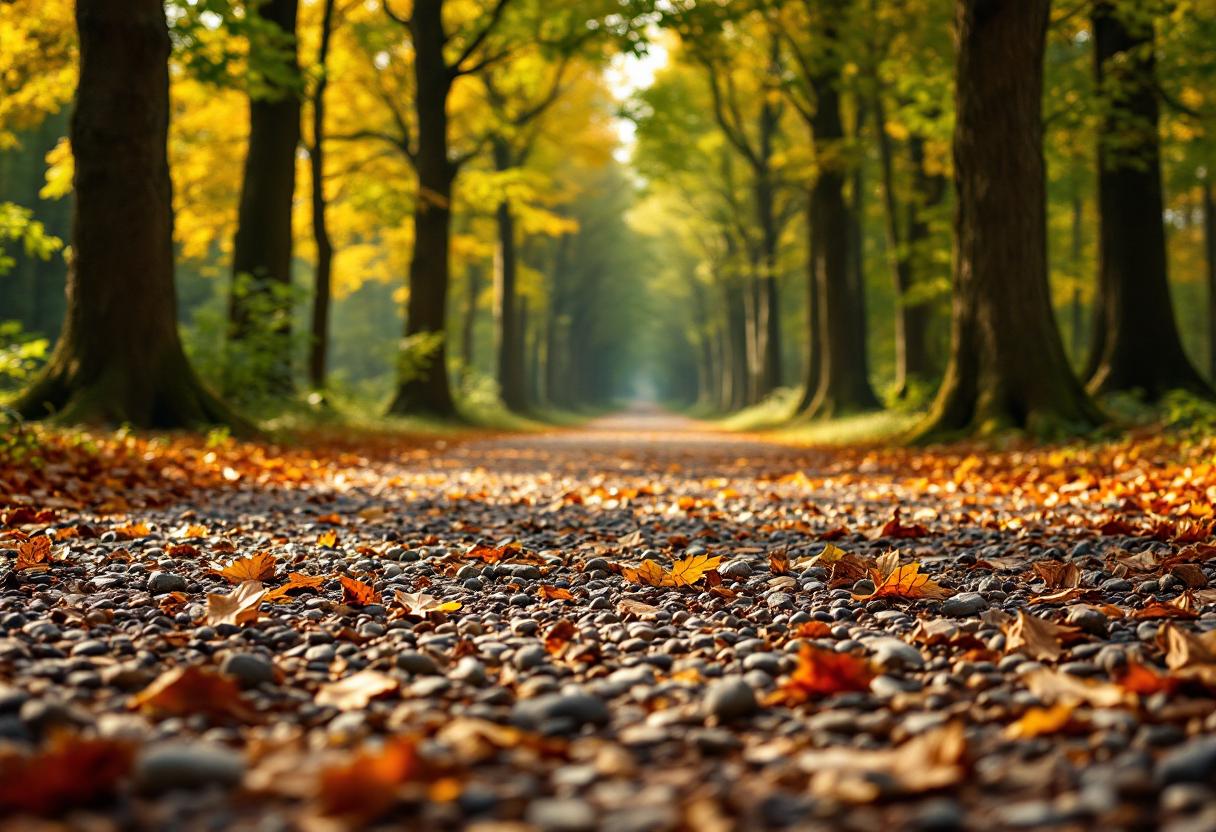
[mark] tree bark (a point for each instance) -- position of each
(512, 381)
(1209, 239)
(469, 324)
(262, 247)
(428, 392)
(319, 348)
(1007, 364)
(737, 338)
(119, 359)
(1132, 264)
(844, 384)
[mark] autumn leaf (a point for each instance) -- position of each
(358, 593)
(1183, 607)
(35, 553)
(419, 604)
(297, 582)
(553, 593)
(1053, 686)
(649, 573)
(238, 608)
(491, 554)
(628, 606)
(687, 571)
(259, 567)
(328, 539)
(1039, 722)
(186, 691)
(822, 673)
(887, 563)
(364, 789)
(182, 550)
(928, 762)
(559, 635)
(1037, 638)
(1114, 527)
(895, 528)
(1057, 574)
(330, 520)
(355, 692)
(1145, 680)
(70, 772)
(131, 531)
(779, 562)
(906, 582)
(812, 629)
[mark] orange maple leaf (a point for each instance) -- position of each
(259, 567)
(822, 673)
(357, 592)
(906, 582)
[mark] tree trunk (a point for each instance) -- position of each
(425, 390)
(469, 324)
(737, 338)
(844, 384)
(811, 358)
(262, 246)
(319, 348)
(512, 381)
(1209, 239)
(119, 359)
(1141, 348)
(1078, 322)
(1007, 364)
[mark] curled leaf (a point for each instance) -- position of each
(238, 607)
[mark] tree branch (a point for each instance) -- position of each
(475, 43)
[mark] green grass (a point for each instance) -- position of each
(881, 427)
(775, 411)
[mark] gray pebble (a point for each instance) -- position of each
(187, 765)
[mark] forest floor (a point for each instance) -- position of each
(644, 624)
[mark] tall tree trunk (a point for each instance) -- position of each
(918, 317)
(811, 348)
(118, 358)
(844, 384)
(319, 349)
(512, 380)
(262, 246)
(1078, 315)
(737, 338)
(469, 324)
(1209, 239)
(1131, 236)
(1007, 364)
(426, 391)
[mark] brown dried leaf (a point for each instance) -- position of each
(649, 573)
(357, 593)
(1058, 574)
(1037, 638)
(70, 772)
(906, 582)
(553, 593)
(419, 604)
(259, 567)
(355, 692)
(779, 562)
(186, 691)
(239, 607)
(1052, 686)
(364, 789)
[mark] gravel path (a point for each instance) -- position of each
(466, 638)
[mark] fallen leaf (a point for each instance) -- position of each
(364, 789)
(887, 563)
(297, 582)
(822, 673)
(928, 762)
(895, 528)
(689, 570)
(328, 539)
(259, 567)
(1184, 649)
(812, 629)
(1052, 686)
(1145, 680)
(1057, 574)
(355, 692)
(420, 605)
(489, 554)
(358, 593)
(1038, 722)
(1037, 638)
(649, 573)
(630, 607)
(906, 582)
(71, 772)
(1183, 607)
(559, 635)
(553, 593)
(238, 608)
(186, 691)
(35, 553)
(779, 562)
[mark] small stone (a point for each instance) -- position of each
(527, 658)
(470, 671)
(162, 582)
(1193, 762)
(736, 570)
(964, 604)
(574, 709)
(561, 815)
(895, 654)
(938, 815)
(420, 664)
(187, 765)
(730, 698)
(252, 669)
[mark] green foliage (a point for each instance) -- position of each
(249, 367)
(17, 225)
(20, 354)
(221, 42)
(418, 352)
